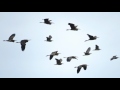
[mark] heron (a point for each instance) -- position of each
(55, 53)
(70, 58)
(87, 51)
(49, 39)
(73, 27)
(97, 47)
(47, 21)
(23, 43)
(114, 57)
(91, 37)
(10, 39)
(80, 66)
(58, 61)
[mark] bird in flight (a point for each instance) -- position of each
(91, 37)
(10, 39)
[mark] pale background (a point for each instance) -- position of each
(33, 63)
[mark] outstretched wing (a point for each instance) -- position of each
(23, 47)
(90, 36)
(78, 69)
(72, 25)
(96, 47)
(84, 67)
(11, 37)
(69, 59)
(50, 36)
(88, 50)
(51, 56)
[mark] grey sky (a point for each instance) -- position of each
(33, 63)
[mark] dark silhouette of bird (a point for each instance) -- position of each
(87, 52)
(73, 27)
(91, 37)
(97, 47)
(10, 39)
(47, 21)
(23, 43)
(70, 58)
(49, 39)
(114, 57)
(58, 61)
(55, 53)
(80, 66)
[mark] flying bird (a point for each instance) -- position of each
(10, 39)
(97, 47)
(73, 27)
(47, 21)
(58, 61)
(49, 39)
(55, 53)
(80, 66)
(23, 44)
(70, 58)
(87, 52)
(114, 57)
(91, 37)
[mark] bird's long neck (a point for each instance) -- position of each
(17, 42)
(5, 40)
(41, 22)
(86, 40)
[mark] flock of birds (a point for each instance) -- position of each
(55, 53)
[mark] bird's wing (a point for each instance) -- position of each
(96, 46)
(112, 58)
(88, 50)
(11, 37)
(78, 69)
(50, 36)
(72, 25)
(51, 56)
(69, 59)
(46, 20)
(23, 47)
(90, 36)
(84, 67)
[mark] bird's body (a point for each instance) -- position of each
(91, 37)
(10, 39)
(23, 44)
(73, 27)
(70, 58)
(97, 47)
(58, 61)
(55, 53)
(114, 57)
(80, 66)
(87, 51)
(49, 39)
(47, 21)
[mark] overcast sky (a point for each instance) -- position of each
(33, 63)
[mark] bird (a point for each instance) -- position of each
(114, 57)
(23, 43)
(73, 27)
(55, 53)
(91, 37)
(97, 47)
(49, 39)
(58, 61)
(87, 51)
(47, 21)
(70, 58)
(80, 66)
(10, 39)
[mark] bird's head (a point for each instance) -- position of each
(76, 67)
